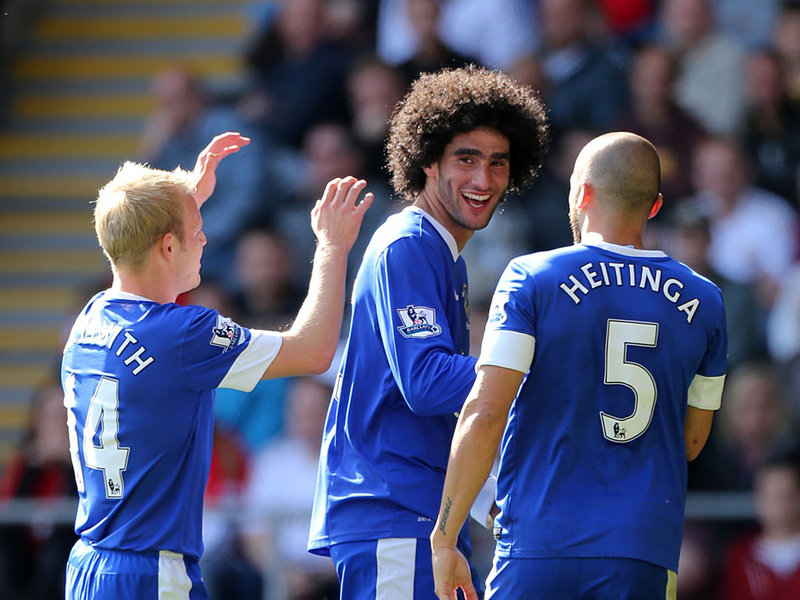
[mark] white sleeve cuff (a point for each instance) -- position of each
(509, 349)
(705, 393)
(481, 508)
(248, 368)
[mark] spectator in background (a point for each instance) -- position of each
(431, 52)
(630, 21)
(178, 129)
(328, 148)
(690, 242)
(753, 232)
(33, 556)
(227, 573)
(547, 224)
(280, 493)
(268, 294)
(772, 125)
(494, 33)
(709, 84)
(585, 81)
(766, 565)
(654, 115)
(786, 40)
(698, 565)
(373, 90)
(754, 414)
(751, 23)
(783, 334)
(297, 71)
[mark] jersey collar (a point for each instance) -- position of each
(627, 250)
(112, 294)
(446, 235)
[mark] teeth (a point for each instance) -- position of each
(478, 197)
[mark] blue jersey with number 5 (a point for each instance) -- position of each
(138, 380)
(616, 343)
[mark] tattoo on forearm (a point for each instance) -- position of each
(445, 515)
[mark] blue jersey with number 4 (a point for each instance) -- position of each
(138, 380)
(616, 343)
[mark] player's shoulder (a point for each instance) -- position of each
(536, 262)
(408, 232)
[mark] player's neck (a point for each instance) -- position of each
(426, 200)
(143, 284)
(619, 237)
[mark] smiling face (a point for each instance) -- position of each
(465, 186)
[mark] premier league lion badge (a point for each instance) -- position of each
(418, 322)
(226, 334)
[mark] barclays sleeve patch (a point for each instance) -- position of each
(418, 322)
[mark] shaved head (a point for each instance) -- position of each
(624, 169)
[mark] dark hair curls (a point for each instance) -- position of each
(444, 104)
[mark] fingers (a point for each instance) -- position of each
(225, 144)
(469, 592)
(345, 192)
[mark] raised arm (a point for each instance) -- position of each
(309, 346)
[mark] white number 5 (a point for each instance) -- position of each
(619, 371)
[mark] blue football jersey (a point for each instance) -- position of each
(404, 374)
(616, 343)
(139, 379)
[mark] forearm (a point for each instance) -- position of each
(474, 447)
(310, 344)
(471, 458)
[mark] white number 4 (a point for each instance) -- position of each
(103, 416)
(620, 371)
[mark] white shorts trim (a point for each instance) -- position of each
(396, 561)
(174, 582)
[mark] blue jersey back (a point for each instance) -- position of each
(138, 379)
(404, 375)
(593, 457)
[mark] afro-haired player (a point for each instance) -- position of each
(458, 142)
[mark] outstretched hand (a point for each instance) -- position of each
(205, 168)
(336, 217)
(451, 572)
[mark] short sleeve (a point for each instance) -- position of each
(218, 352)
(510, 337)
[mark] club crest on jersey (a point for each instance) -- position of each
(225, 334)
(418, 322)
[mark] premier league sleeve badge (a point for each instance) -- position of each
(418, 322)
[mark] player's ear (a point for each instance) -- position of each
(656, 206)
(431, 170)
(585, 195)
(167, 245)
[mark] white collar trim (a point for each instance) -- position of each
(627, 250)
(446, 235)
(112, 294)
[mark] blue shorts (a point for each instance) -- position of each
(387, 569)
(579, 579)
(98, 574)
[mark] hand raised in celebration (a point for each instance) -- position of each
(205, 168)
(336, 217)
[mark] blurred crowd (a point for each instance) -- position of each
(714, 84)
